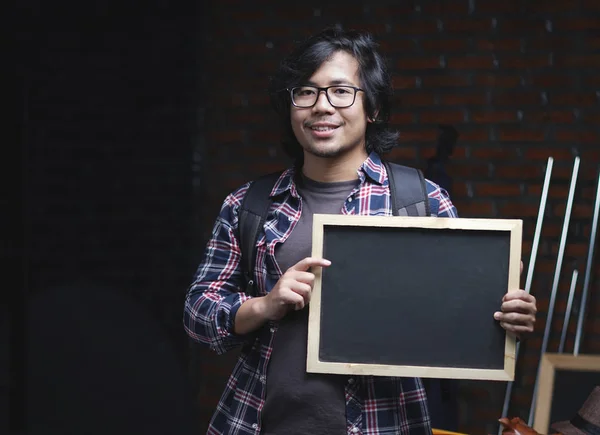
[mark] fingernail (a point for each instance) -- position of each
(496, 316)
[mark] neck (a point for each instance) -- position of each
(333, 169)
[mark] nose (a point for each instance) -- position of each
(322, 104)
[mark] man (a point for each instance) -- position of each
(332, 93)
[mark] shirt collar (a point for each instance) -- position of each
(372, 168)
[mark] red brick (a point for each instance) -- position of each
(334, 12)
(418, 136)
(555, 117)
(251, 48)
(591, 4)
(527, 25)
(224, 135)
(377, 29)
(441, 7)
(517, 98)
(518, 210)
(574, 137)
(246, 14)
(592, 118)
(519, 172)
(582, 99)
(470, 62)
(404, 82)
(412, 100)
(402, 153)
(463, 99)
(388, 11)
(498, 81)
(415, 27)
(549, 42)
(445, 81)
(497, 189)
(494, 153)
(495, 7)
(469, 170)
(499, 45)
(402, 118)
(578, 61)
(592, 80)
(474, 136)
(264, 137)
(545, 6)
(460, 151)
(469, 25)
(390, 46)
(459, 190)
(578, 210)
(293, 13)
(574, 24)
(532, 153)
(271, 31)
(550, 81)
(573, 250)
(443, 45)
(248, 117)
(592, 43)
(476, 209)
(590, 155)
(455, 117)
(525, 61)
(494, 117)
(418, 63)
(521, 136)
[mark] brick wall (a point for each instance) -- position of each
(518, 80)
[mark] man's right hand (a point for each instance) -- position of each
(292, 291)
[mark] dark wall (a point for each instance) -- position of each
(110, 98)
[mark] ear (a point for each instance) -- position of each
(374, 117)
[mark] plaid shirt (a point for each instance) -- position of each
(374, 405)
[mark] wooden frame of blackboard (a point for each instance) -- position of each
(513, 228)
(551, 362)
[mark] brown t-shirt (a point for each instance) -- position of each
(298, 402)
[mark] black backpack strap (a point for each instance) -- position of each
(408, 190)
(252, 216)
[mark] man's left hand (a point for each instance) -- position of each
(517, 312)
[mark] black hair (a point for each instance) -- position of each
(301, 64)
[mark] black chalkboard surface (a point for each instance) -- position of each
(565, 382)
(413, 296)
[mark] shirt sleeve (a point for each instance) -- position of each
(216, 293)
(439, 201)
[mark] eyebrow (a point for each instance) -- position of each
(333, 82)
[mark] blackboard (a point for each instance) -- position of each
(565, 382)
(410, 296)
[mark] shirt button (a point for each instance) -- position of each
(350, 199)
(254, 426)
(351, 381)
(263, 379)
(290, 218)
(354, 429)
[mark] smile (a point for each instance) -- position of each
(320, 128)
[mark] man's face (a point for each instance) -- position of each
(326, 131)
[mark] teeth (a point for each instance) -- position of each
(322, 128)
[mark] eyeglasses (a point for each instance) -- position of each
(338, 96)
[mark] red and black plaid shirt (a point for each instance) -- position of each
(374, 405)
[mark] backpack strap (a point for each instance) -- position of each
(252, 216)
(408, 190)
